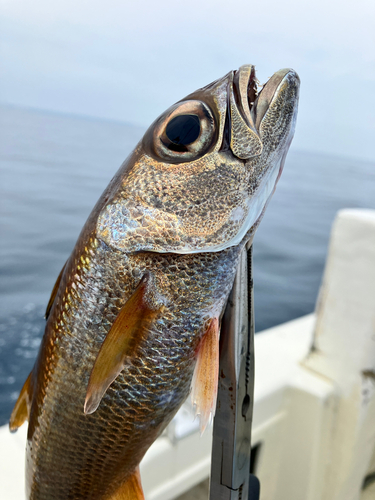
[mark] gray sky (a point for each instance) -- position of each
(129, 61)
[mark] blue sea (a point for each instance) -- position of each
(53, 169)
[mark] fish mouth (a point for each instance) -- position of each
(254, 100)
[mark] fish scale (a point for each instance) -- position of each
(137, 307)
(154, 385)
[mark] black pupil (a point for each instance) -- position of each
(183, 129)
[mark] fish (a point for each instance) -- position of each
(133, 321)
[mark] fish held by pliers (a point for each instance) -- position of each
(137, 306)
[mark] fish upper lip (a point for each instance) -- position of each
(267, 93)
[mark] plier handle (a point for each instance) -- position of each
(231, 447)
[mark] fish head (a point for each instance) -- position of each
(202, 175)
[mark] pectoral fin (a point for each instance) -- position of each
(205, 379)
(130, 327)
(54, 293)
(131, 490)
(21, 410)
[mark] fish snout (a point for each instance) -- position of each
(248, 107)
(281, 81)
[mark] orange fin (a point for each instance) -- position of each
(21, 410)
(206, 375)
(131, 489)
(54, 293)
(122, 340)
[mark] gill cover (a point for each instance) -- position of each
(205, 169)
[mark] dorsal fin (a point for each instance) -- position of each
(205, 379)
(21, 410)
(122, 340)
(54, 292)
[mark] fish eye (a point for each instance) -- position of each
(184, 133)
(183, 129)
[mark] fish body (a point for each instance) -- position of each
(154, 265)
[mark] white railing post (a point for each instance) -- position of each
(344, 352)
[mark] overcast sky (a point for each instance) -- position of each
(129, 60)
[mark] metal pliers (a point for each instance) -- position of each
(231, 448)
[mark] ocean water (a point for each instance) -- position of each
(53, 168)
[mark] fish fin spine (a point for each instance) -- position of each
(54, 292)
(206, 373)
(21, 410)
